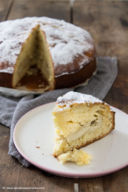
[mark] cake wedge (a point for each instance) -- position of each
(34, 68)
(79, 120)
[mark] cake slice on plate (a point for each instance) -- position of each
(79, 120)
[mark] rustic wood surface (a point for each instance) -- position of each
(108, 23)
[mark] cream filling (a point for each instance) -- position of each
(77, 134)
(84, 129)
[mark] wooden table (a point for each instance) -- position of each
(108, 23)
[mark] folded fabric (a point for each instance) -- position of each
(12, 108)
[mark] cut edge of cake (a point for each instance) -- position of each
(34, 54)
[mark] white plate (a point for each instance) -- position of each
(34, 139)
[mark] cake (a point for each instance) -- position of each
(79, 120)
(26, 44)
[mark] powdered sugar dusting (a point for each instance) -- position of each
(75, 97)
(65, 40)
(7, 70)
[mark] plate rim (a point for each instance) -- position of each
(61, 173)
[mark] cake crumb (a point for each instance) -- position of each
(79, 157)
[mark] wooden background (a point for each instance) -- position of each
(108, 23)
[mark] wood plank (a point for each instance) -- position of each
(91, 185)
(7, 165)
(54, 9)
(5, 6)
(34, 177)
(118, 95)
(108, 23)
(116, 182)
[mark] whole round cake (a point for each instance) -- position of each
(70, 49)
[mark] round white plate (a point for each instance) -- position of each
(34, 139)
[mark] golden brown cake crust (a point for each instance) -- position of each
(77, 76)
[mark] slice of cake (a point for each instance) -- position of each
(79, 120)
(34, 67)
